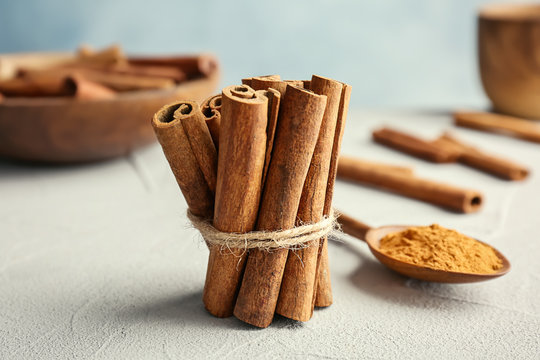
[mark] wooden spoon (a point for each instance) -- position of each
(373, 236)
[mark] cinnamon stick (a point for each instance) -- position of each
(116, 81)
(88, 90)
(501, 124)
(378, 166)
(192, 66)
(268, 81)
(241, 160)
(200, 140)
(111, 55)
(323, 295)
(444, 195)
(184, 165)
(298, 127)
(211, 109)
(23, 87)
(473, 157)
(413, 145)
(298, 285)
(274, 99)
(168, 72)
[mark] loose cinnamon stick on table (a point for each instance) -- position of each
(323, 287)
(242, 148)
(502, 124)
(298, 285)
(473, 157)
(448, 196)
(184, 165)
(378, 166)
(413, 145)
(298, 127)
(211, 109)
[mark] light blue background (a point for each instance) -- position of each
(395, 53)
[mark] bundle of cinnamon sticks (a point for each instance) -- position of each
(102, 74)
(277, 144)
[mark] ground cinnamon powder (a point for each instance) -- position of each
(439, 248)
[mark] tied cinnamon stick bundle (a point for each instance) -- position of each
(298, 285)
(242, 150)
(473, 157)
(180, 129)
(297, 132)
(501, 124)
(323, 296)
(444, 195)
(414, 146)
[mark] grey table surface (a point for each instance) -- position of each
(98, 262)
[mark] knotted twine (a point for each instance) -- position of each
(295, 238)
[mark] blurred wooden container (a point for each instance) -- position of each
(71, 130)
(509, 55)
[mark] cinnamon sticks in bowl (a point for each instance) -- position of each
(278, 149)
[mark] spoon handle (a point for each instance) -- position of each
(353, 227)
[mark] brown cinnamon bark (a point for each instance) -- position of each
(274, 99)
(413, 145)
(269, 81)
(377, 166)
(23, 87)
(323, 294)
(502, 124)
(112, 55)
(168, 72)
(473, 157)
(211, 109)
(242, 150)
(199, 137)
(444, 195)
(116, 81)
(176, 146)
(298, 127)
(298, 285)
(193, 66)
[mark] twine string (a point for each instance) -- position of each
(295, 238)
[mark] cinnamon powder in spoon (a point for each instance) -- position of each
(442, 249)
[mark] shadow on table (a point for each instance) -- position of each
(189, 310)
(374, 279)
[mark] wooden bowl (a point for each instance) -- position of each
(71, 130)
(509, 55)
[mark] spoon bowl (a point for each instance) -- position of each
(373, 236)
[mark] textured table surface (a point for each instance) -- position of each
(97, 261)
